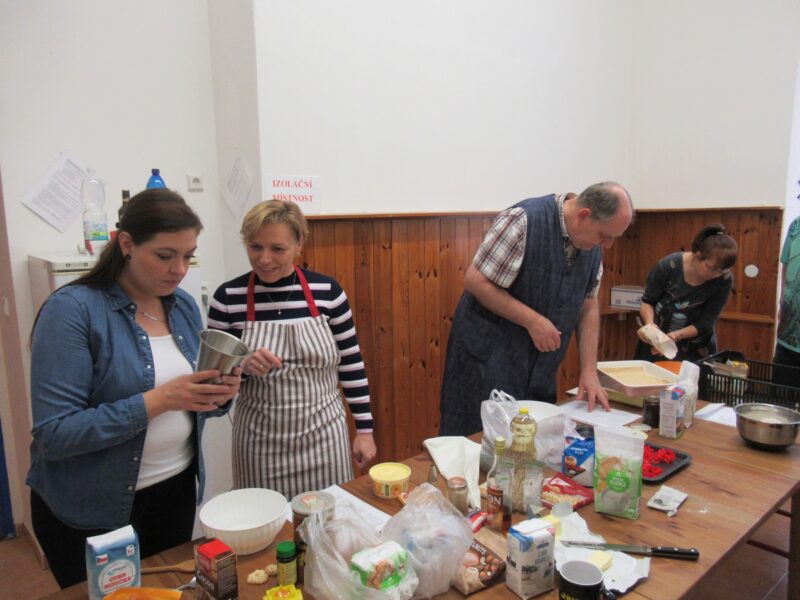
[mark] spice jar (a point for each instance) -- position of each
(287, 563)
(457, 493)
(651, 411)
(302, 506)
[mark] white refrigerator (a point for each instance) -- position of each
(49, 272)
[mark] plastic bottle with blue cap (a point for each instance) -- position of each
(155, 181)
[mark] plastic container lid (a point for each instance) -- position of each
(389, 472)
(286, 550)
(456, 482)
(308, 502)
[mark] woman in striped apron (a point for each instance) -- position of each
(290, 431)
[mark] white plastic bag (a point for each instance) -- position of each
(435, 535)
(331, 544)
(496, 415)
(688, 378)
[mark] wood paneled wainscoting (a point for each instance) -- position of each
(403, 275)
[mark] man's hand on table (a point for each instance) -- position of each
(589, 389)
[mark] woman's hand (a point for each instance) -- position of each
(259, 362)
(364, 449)
(189, 392)
(234, 380)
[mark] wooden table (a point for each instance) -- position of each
(732, 489)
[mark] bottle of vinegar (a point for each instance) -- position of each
(126, 197)
(498, 489)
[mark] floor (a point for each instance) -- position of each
(750, 573)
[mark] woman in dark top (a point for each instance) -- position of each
(686, 292)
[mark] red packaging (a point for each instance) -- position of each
(560, 488)
(215, 571)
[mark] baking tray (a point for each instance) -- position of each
(610, 381)
(669, 469)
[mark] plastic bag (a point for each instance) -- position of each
(435, 535)
(618, 471)
(688, 378)
(331, 544)
(496, 415)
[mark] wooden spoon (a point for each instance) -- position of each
(187, 566)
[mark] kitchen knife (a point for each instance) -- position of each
(663, 551)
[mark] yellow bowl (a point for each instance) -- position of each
(389, 479)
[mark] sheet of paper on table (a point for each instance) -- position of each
(577, 410)
(718, 413)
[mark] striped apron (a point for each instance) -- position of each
(289, 428)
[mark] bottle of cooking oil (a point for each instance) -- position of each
(523, 431)
(527, 475)
(498, 489)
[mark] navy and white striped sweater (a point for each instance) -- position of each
(228, 312)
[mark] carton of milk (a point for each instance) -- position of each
(529, 568)
(112, 562)
(672, 405)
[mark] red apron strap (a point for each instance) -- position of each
(312, 306)
(251, 303)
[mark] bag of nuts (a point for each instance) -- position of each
(479, 569)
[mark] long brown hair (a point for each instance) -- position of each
(149, 213)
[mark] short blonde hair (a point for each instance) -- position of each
(275, 211)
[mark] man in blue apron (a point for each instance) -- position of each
(532, 282)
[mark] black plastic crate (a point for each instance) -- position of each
(758, 386)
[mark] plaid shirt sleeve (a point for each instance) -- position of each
(596, 288)
(500, 254)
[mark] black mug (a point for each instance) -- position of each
(581, 580)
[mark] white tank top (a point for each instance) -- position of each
(168, 447)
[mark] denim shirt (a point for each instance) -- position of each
(90, 366)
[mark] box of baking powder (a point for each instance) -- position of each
(530, 565)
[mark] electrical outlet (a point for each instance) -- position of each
(194, 183)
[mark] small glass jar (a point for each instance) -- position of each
(457, 493)
(651, 411)
(287, 563)
(303, 505)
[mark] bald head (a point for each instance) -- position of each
(605, 199)
(601, 214)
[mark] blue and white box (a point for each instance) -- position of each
(112, 562)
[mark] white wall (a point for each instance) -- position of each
(122, 86)
(233, 67)
(413, 107)
(422, 106)
(713, 91)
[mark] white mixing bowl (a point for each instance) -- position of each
(247, 520)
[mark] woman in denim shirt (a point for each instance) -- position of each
(118, 412)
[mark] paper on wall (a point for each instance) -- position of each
(56, 197)
(237, 189)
